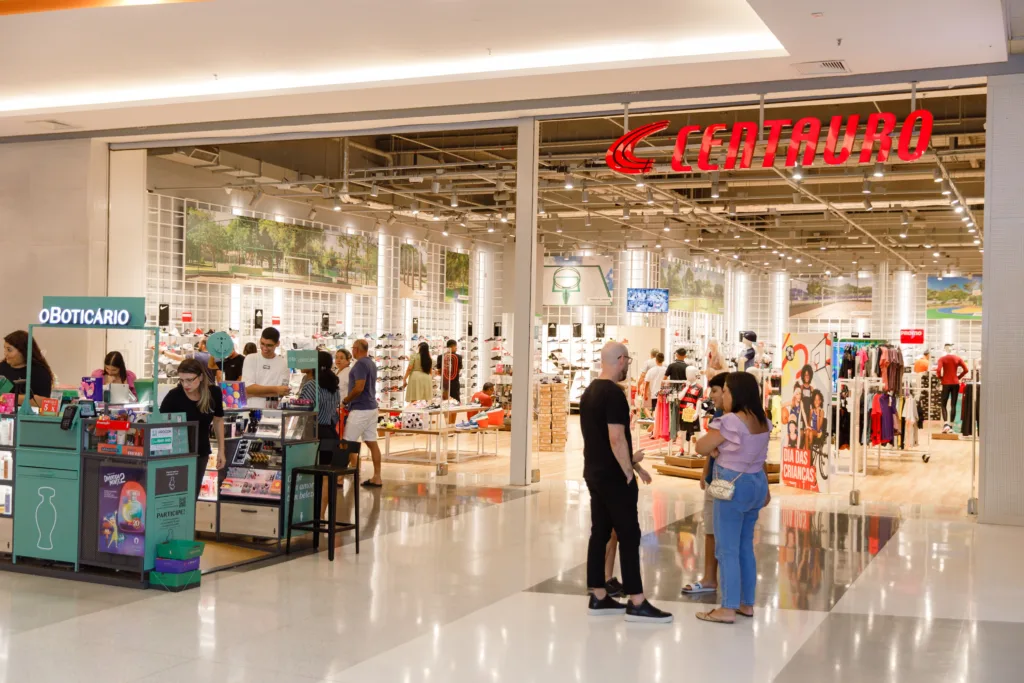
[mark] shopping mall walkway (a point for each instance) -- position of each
(464, 584)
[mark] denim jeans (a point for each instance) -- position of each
(734, 537)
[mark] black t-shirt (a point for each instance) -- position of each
(232, 368)
(440, 369)
(177, 401)
(677, 370)
(42, 383)
(603, 403)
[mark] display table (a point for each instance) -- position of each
(101, 494)
(438, 431)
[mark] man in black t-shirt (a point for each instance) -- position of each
(608, 468)
(677, 369)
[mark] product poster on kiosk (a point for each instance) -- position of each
(806, 407)
(122, 511)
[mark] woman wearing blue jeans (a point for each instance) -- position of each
(739, 440)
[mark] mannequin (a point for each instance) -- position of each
(689, 402)
(746, 358)
(950, 369)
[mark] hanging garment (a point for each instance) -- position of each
(970, 411)
(673, 418)
(876, 420)
(887, 405)
(883, 368)
(908, 422)
(849, 363)
(689, 404)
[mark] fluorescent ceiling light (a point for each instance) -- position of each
(594, 55)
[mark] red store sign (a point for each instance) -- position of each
(881, 134)
(912, 336)
(186, 317)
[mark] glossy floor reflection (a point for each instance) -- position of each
(805, 560)
(467, 584)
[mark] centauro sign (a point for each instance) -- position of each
(55, 315)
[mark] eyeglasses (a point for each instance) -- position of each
(188, 380)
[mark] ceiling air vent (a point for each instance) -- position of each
(822, 68)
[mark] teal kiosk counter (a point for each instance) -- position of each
(91, 492)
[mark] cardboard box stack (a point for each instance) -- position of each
(551, 410)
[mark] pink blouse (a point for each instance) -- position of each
(741, 451)
(130, 381)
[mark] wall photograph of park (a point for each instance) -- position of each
(957, 298)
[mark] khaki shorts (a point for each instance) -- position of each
(709, 514)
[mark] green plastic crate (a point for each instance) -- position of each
(180, 550)
(175, 582)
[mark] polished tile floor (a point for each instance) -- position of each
(460, 583)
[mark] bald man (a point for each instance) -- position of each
(608, 468)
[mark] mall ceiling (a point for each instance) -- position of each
(463, 183)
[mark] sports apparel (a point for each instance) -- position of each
(266, 372)
(948, 369)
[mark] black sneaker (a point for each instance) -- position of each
(606, 607)
(614, 588)
(646, 613)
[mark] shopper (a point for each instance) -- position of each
(642, 378)
(265, 373)
(324, 390)
(653, 380)
(417, 383)
(608, 468)
(709, 582)
(232, 366)
(742, 445)
(200, 402)
(250, 348)
(677, 369)
(361, 403)
(715, 360)
(200, 354)
(342, 367)
(449, 368)
(483, 398)
(114, 371)
(15, 369)
(924, 363)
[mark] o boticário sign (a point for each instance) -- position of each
(882, 132)
(127, 313)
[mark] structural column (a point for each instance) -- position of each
(1001, 468)
(525, 295)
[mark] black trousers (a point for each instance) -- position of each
(613, 506)
(951, 391)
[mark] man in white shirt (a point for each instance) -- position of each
(653, 379)
(648, 364)
(265, 374)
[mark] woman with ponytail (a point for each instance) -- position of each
(200, 402)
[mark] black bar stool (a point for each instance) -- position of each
(316, 525)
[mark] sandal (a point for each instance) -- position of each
(708, 616)
(697, 587)
(744, 614)
(371, 485)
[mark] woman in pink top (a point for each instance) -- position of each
(740, 438)
(114, 371)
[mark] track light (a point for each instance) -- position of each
(415, 207)
(445, 232)
(455, 199)
(640, 182)
(665, 225)
(675, 207)
(879, 170)
(256, 197)
(344, 189)
(935, 254)
(373, 189)
(937, 175)
(625, 213)
(798, 173)
(490, 227)
(866, 187)
(586, 221)
(905, 219)
(504, 216)
(867, 205)
(586, 196)
(964, 219)
(312, 213)
(392, 219)
(650, 197)
(977, 241)
(715, 193)
(337, 204)
(903, 234)
(945, 189)
(657, 245)
(540, 207)
(437, 215)
(435, 186)
(764, 244)
(970, 224)
(568, 181)
(462, 220)
(732, 209)
(958, 209)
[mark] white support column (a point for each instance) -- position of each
(1001, 468)
(127, 234)
(525, 296)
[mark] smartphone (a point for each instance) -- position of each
(69, 417)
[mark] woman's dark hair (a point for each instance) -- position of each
(746, 395)
(19, 340)
(249, 349)
(425, 362)
(115, 359)
(327, 379)
(807, 369)
(817, 394)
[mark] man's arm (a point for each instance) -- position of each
(620, 448)
(357, 390)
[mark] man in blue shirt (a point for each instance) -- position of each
(361, 403)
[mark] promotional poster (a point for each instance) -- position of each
(806, 401)
(693, 290)
(578, 281)
(954, 298)
(122, 511)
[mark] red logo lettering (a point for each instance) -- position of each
(621, 156)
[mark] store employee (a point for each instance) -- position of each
(15, 368)
(265, 374)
